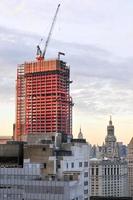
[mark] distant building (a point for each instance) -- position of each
(80, 135)
(108, 167)
(110, 149)
(5, 139)
(108, 178)
(122, 150)
(130, 167)
(93, 151)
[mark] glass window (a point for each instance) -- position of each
(86, 174)
(72, 165)
(92, 171)
(85, 183)
(85, 191)
(80, 164)
(97, 171)
(85, 164)
(45, 165)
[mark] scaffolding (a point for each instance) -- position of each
(43, 98)
(20, 103)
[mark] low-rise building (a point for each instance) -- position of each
(26, 183)
(51, 171)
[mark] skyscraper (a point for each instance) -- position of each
(43, 102)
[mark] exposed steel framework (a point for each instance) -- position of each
(20, 103)
(44, 104)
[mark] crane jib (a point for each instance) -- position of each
(40, 54)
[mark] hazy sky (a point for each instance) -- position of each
(97, 37)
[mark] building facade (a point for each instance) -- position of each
(43, 102)
(108, 178)
(50, 172)
(77, 165)
(130, 167)
(26, 184)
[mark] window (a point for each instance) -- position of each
(67, 165)
(80, 164)
(53, 138)
(85, 191)
(86, 174)
(97, 171)
(85, 164)
(71, 177)
(108, 171)
(85, 183)
(72, 165)
(92, 171)
(105, 171)
(45, 165)
(111, 171)
(59, 166)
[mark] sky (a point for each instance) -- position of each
(97, 38)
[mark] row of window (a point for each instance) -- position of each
(80, 164)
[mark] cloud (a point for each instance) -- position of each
(103, 97)
(7, 89)
(102, 83)
(88, 21)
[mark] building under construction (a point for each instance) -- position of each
(43, 102)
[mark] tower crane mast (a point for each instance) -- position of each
(40, 54)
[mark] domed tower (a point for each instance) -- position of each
(110, 140)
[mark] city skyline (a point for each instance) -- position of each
(94, 39)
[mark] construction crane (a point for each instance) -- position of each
(40, 54)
